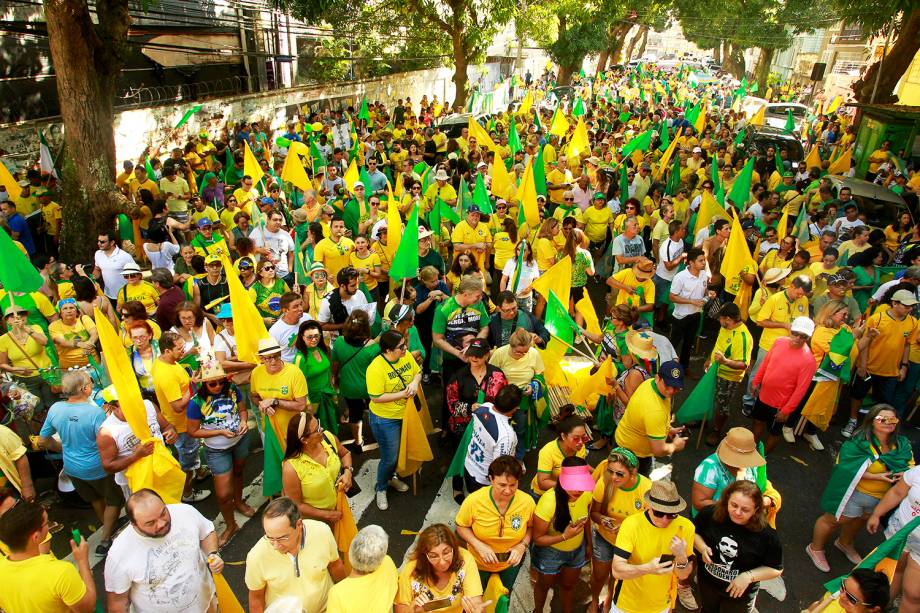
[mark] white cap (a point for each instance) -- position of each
(697, 150)
(905, 297)
(358, 184)
(803, 325)
(481, 165)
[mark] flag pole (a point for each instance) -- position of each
(402, 292)
(578, 351)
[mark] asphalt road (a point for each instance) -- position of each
(798, 473)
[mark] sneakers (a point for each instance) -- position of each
(746, 410)
(397, 485)
(202, 473)
(382, 502)
(196, 495)
(686, 597)
(848, 429)
(102, 549)
(788, 434)
(814, 442)
(818, 559)
(851, 553)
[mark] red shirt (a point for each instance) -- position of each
(784, 375)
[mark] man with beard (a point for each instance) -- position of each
(164, 560)
(340, 302)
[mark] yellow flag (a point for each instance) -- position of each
(709, 208)
(159, 471)
(552, 372)
(586, 308)
(480, 134)
(775, 179)
(736, 105)
(527, 196)
(226, 599)
(579, 140)
(665, 159)
(351, 177)
(251, 165)
(345, 529)
(294, 173)
(759, 117)
(834, 105)
(737, 255)
(842, 164)
(494, 590)
(394, 225)
(414, 449)
(502, 183)
(558, 278)
(700, 121)
(249, 327)
(299, 148)
(813, 159)
(594, 385)
(768, 94)
(12, 187)
(783, 224)
(560, 125)
(526, 104)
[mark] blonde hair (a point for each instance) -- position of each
(825, 314)
(520, 338)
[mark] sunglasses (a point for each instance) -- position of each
(568, 199)
(133, 275)
(619, 474)
(663, 515)
(852, 598)
(889, 421)
(264, 268)
(311, 337)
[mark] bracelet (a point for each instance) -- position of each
(682, 566)
(350, 469)
(214, 553)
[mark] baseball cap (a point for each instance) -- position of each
(599, 196)
(204, 221)
(225, 312)
(905, 297)
(804, 325)
(478, 348)
(672, 373)
(211, 259)
(473, 208)
(697, 150)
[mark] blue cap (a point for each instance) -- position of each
(225, 312)
(672, 373)
(473, 208)
(267, 200)
(204, 221)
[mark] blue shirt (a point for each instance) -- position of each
(19, 224)
(77, 423)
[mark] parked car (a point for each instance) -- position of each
(453, 124)
(563, 94)
(760, 138)
(778, 112)
(880, 205)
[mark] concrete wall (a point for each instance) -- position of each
(136, 129)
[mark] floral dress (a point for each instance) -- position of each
(463, 391)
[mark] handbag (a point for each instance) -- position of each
(51, 376)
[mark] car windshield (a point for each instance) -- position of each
(783, 110)
(879, 213)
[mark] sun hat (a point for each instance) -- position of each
(441, 175)
(804, 325)
(905, 297)
(576, 479)
(211, 370)
(268, 346)
(672, 373)
(739, 449)
(131, 268)
(316, 267)
(226, 311)
(481, 165)
(662, 496)
(774, 275)
(641, 344)
(423, 233)
(643, 269)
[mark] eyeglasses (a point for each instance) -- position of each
(888, 421)
(133, 275)
(851, 597)
(270, 358)
(663, 515)
(311, 337)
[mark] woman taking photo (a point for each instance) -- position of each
(316, 465)
(312, 358)
(561, 533)
(266, 292)
(530, 272)
(439, 569)
(196, 332)
(352, 353)
(217, 414)
(393, 378)
(74, 336)
(497, 521)
(738, 549)
(572, 434)
(619, 493)
(868, 465)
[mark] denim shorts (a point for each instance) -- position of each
(549, 560)
(859, 505)
(187, 448)
(221, 460)
(603, 550)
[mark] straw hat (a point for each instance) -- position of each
(643, 269)
(739, 449)
(268, 346)
(663, 497)
(774, 275)
(641, 344)
(211, 370)
(299, 215)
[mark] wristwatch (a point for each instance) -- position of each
(275, 403)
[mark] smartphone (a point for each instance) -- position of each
(503, 557)
(665, 558)
(434, 605)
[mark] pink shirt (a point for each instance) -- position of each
(784, 375)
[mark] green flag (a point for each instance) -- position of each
(579, 109)
(738, 137)
(445, 211)
(457, 463)
(514, 141)
(319, 160)
(665, 137)
(624, 186)
(693, 114)
(464, 195)
(536, 120)
(17, 272)
(889, 550)
(539, 173)
(481, 196)
(789, 128)
(272, 458)
(364, 113)
(558, 321)
(624, 116)
(674, 178)
(188, 115)
(741, 188)
(699, 404)
(754, 87)
(351, 215)
(151, 173)
(420, 169)
(780, 167)
(301, 266)
(405, 262)
(639, 143)
(519, 263)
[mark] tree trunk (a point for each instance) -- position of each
(733, 60)
(87, 60)
(460, 66)
(644, 41)
(762, 70)
(602, 60)
(717, 53)
(565, 74)
(629, 48)
(897, 61)
(617, 36)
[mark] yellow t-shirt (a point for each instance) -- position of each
(874, 487)
(627, 278)
(170, 382)
(52, 214)
(371, 593)
(562, 212)
(71, 356)
(740, 345)
(545, 253)
(445, 193)
(11, 449)
(53, 585)
(480, 514)
(887, 349)
(504, 249)
(207, 213)
(546, 510)
(597, 220)
(467, 235)
(518, 372)
(385, 377)
(648, 415)
(143, 292)
(778, 308)
(335, 256)
(247, 199)
(644, 541)
(369, 261)
(286, 384)
(275, 572)
(623, 503)
(464, 582)
(549, 462)
(317, 482)
(26, 353)
(557, 177)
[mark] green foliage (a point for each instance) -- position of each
(873, 15)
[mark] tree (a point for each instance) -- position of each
(87, 58)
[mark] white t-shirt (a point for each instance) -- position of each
(766, 246)
(284, 333)
(843, 224)
(111, 267)
(887, 285)
(125, 440)
(164, 258)
(910, 506)
(484, 448)
(163, 574)
(529, 274)
(756, 210)
(279, 243)
(687, 286)
(357, 301)
(668, 251)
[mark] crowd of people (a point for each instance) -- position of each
(819, 314)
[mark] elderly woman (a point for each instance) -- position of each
(74, 335)
(497, 522)
(439, 571)
(316, 465)
(371, 587)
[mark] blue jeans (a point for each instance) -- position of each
(387, 432)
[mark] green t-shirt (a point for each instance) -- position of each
(455, 321)
(353, 362)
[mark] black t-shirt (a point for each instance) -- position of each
(735, 549)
